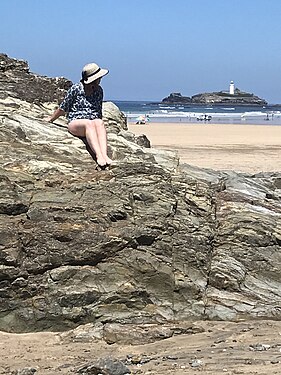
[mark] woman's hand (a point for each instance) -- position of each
(58, 112)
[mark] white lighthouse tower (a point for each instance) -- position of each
(231, 88)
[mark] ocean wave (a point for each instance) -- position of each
(158, 112)
(169, 113)
(166, 107)
(166, 115)
(253, 114)
(177, 114)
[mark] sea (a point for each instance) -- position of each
(161, 112)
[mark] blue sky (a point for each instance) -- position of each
(151, 47)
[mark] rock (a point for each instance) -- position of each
(115, 119)
(176, 98)
(18, 82)
(129, 334)
(196, 363)
(86, 333)
(133, 334)
(149, 242)
(105, 366)
(260, 347)
(26, 371)
(138, 359)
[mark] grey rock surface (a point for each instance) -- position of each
(105, 366)
(17, 81)
(177, 98)
(150, 241)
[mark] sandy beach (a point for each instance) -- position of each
(243, 148)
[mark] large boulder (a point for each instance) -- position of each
(150, 241)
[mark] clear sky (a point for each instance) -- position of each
(151, 47)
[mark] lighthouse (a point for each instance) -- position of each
(231, 88)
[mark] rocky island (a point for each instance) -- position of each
(151, 251)
(217, 98)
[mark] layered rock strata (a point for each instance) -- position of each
(150, 241)
(17, 81)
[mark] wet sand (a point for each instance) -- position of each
(243, 148)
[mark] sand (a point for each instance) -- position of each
(243, 148)
(250, 347)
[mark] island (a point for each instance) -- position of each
(235, 97)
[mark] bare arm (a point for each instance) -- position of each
(58, 112)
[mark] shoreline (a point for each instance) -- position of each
(222, 113)
(238, 147)
(207, 117)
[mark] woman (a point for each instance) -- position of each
(83, 105)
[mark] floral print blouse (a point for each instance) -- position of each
(77, 105)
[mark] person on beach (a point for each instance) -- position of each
(83, 106)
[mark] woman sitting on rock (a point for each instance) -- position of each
(83, 105)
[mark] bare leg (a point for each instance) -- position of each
(102, 138)
(87, 128)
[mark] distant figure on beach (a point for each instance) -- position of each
(141, 120)
(204, 118)
(83, 106)
(267, 117)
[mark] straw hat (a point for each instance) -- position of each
(91, 72)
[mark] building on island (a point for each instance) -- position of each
(231, 88)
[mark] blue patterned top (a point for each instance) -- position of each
(77, 105)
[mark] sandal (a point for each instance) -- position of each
(102, 167)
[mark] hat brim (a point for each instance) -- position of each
(101, 73)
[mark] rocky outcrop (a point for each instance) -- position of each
(176, 98)
(239, 98)
(150, 241)
(216, 98)
(18, 82)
